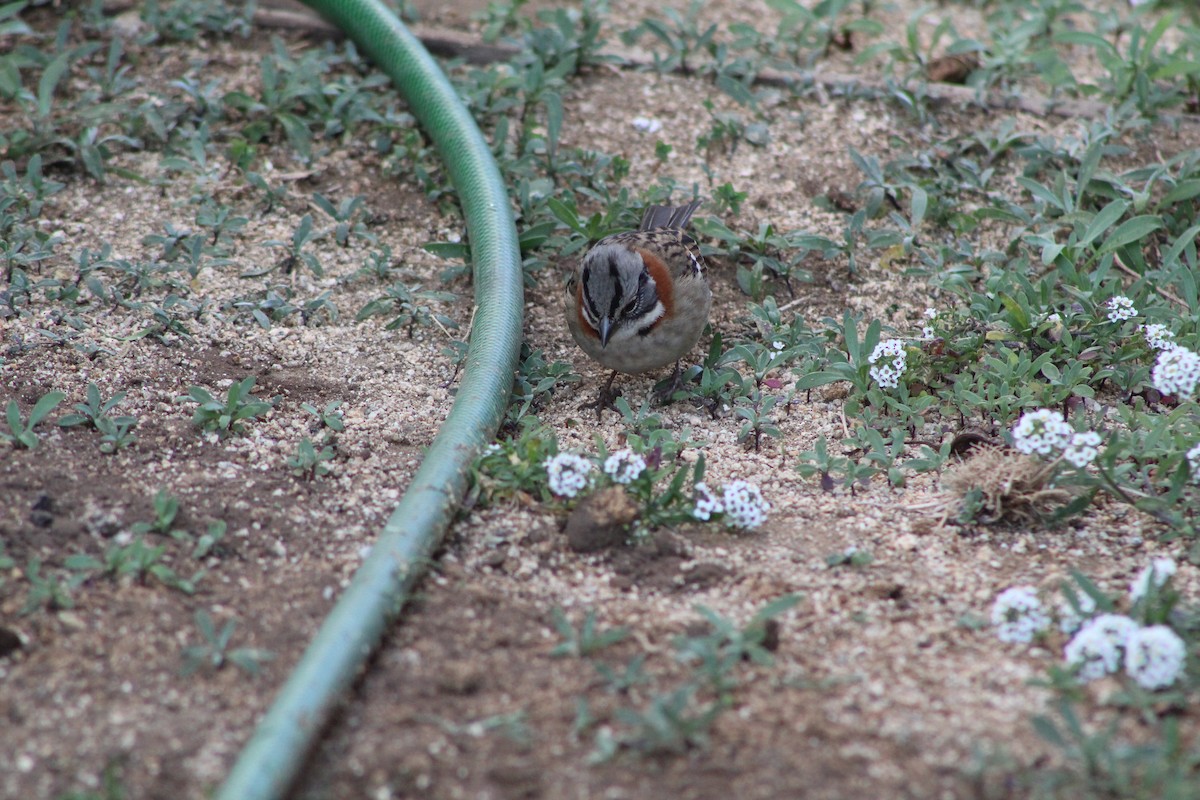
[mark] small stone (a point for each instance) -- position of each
(10, 642)
(601, 521)
(460, 677)
(494, 559)
(706, 574)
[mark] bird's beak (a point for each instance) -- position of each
(605, 331)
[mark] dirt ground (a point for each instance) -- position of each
(880, 686)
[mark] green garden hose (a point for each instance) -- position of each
(272, 758)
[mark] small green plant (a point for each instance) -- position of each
(309, 462)
(679, 719)
(6, 563)
(850, 557)
(295, 254)
(45, 590)
(112, 787)
(212, 541)
(329, 417)
(586, 641)
(717, 654)
(226, 417)
(116, 432)
(348, 218)
(166, 509)
(134, 560)
(20, 432)
(409, 306)
(213, 652)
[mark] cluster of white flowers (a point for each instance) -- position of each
(624, 466)
(1042, 432)
(1159, 571)
(744, 505)
(1176, 372)
(927, 331)
(1018, 614)
(887, 375)
(1158, 336)
(568, 474)
(1120, 308)
(741, 502)
(1193, 459)
(1082, 449)
(707, 503)
(1097, 648)
(1070, 620)
(1045, 431)
(1154, 656)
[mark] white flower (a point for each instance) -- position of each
(646, 125)
(928, 333)
(888, 348)
(1096, 649)
(744, 505)
(1176, 372)
(887, 375)
(1041, 431)
(1120, 308)
(1082, 449)
(1160, 571)
(1018, 614)
(624, 466)
(1070, 620)
(1193, 459)
(568, 474)
(931, 313)
(1054, 319)
(1154, 657)
(778, 345)
(1158, 336)
(707, 503)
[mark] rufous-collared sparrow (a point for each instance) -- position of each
(640, 300)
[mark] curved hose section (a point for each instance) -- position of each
(270, 761)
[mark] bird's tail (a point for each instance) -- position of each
(668, 216)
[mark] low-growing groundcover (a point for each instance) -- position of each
(950, 392)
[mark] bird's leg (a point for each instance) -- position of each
(605, 399)
(666, 389)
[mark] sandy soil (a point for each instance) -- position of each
(882, 683)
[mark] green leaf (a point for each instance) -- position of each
(1184, 190)
(1186, 238)
(1131, 230)
(44, 406)
(814, 379)
(1105, 218)
(1049, 731)
(920, 201)
(49, 81)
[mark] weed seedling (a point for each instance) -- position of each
(309, 462)
(214, 653)
(20, 432)
(587, 640)
(226, 417)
